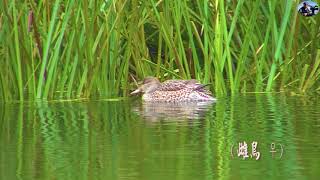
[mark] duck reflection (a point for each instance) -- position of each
(157, 111)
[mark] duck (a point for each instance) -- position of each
(173, 91)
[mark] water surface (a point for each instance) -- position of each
(132, 140)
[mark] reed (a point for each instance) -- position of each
(68, 49)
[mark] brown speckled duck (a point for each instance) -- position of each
(173, 91)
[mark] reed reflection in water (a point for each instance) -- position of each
(115, 140)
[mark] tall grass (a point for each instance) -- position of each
(70, 49)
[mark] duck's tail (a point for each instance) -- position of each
(201, 88)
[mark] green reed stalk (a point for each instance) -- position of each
(17, 51)
(56, 50)
(46, 50)
(245, 46)
(279, 44)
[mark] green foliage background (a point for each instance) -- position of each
(78, 49)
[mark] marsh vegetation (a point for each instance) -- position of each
(78, 49)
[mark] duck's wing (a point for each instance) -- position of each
(191, 81)
(172, 85)
(176, 85)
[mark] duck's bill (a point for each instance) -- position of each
(135, 92)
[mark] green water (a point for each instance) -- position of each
(130, 140)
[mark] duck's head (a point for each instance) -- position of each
(149, 85)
